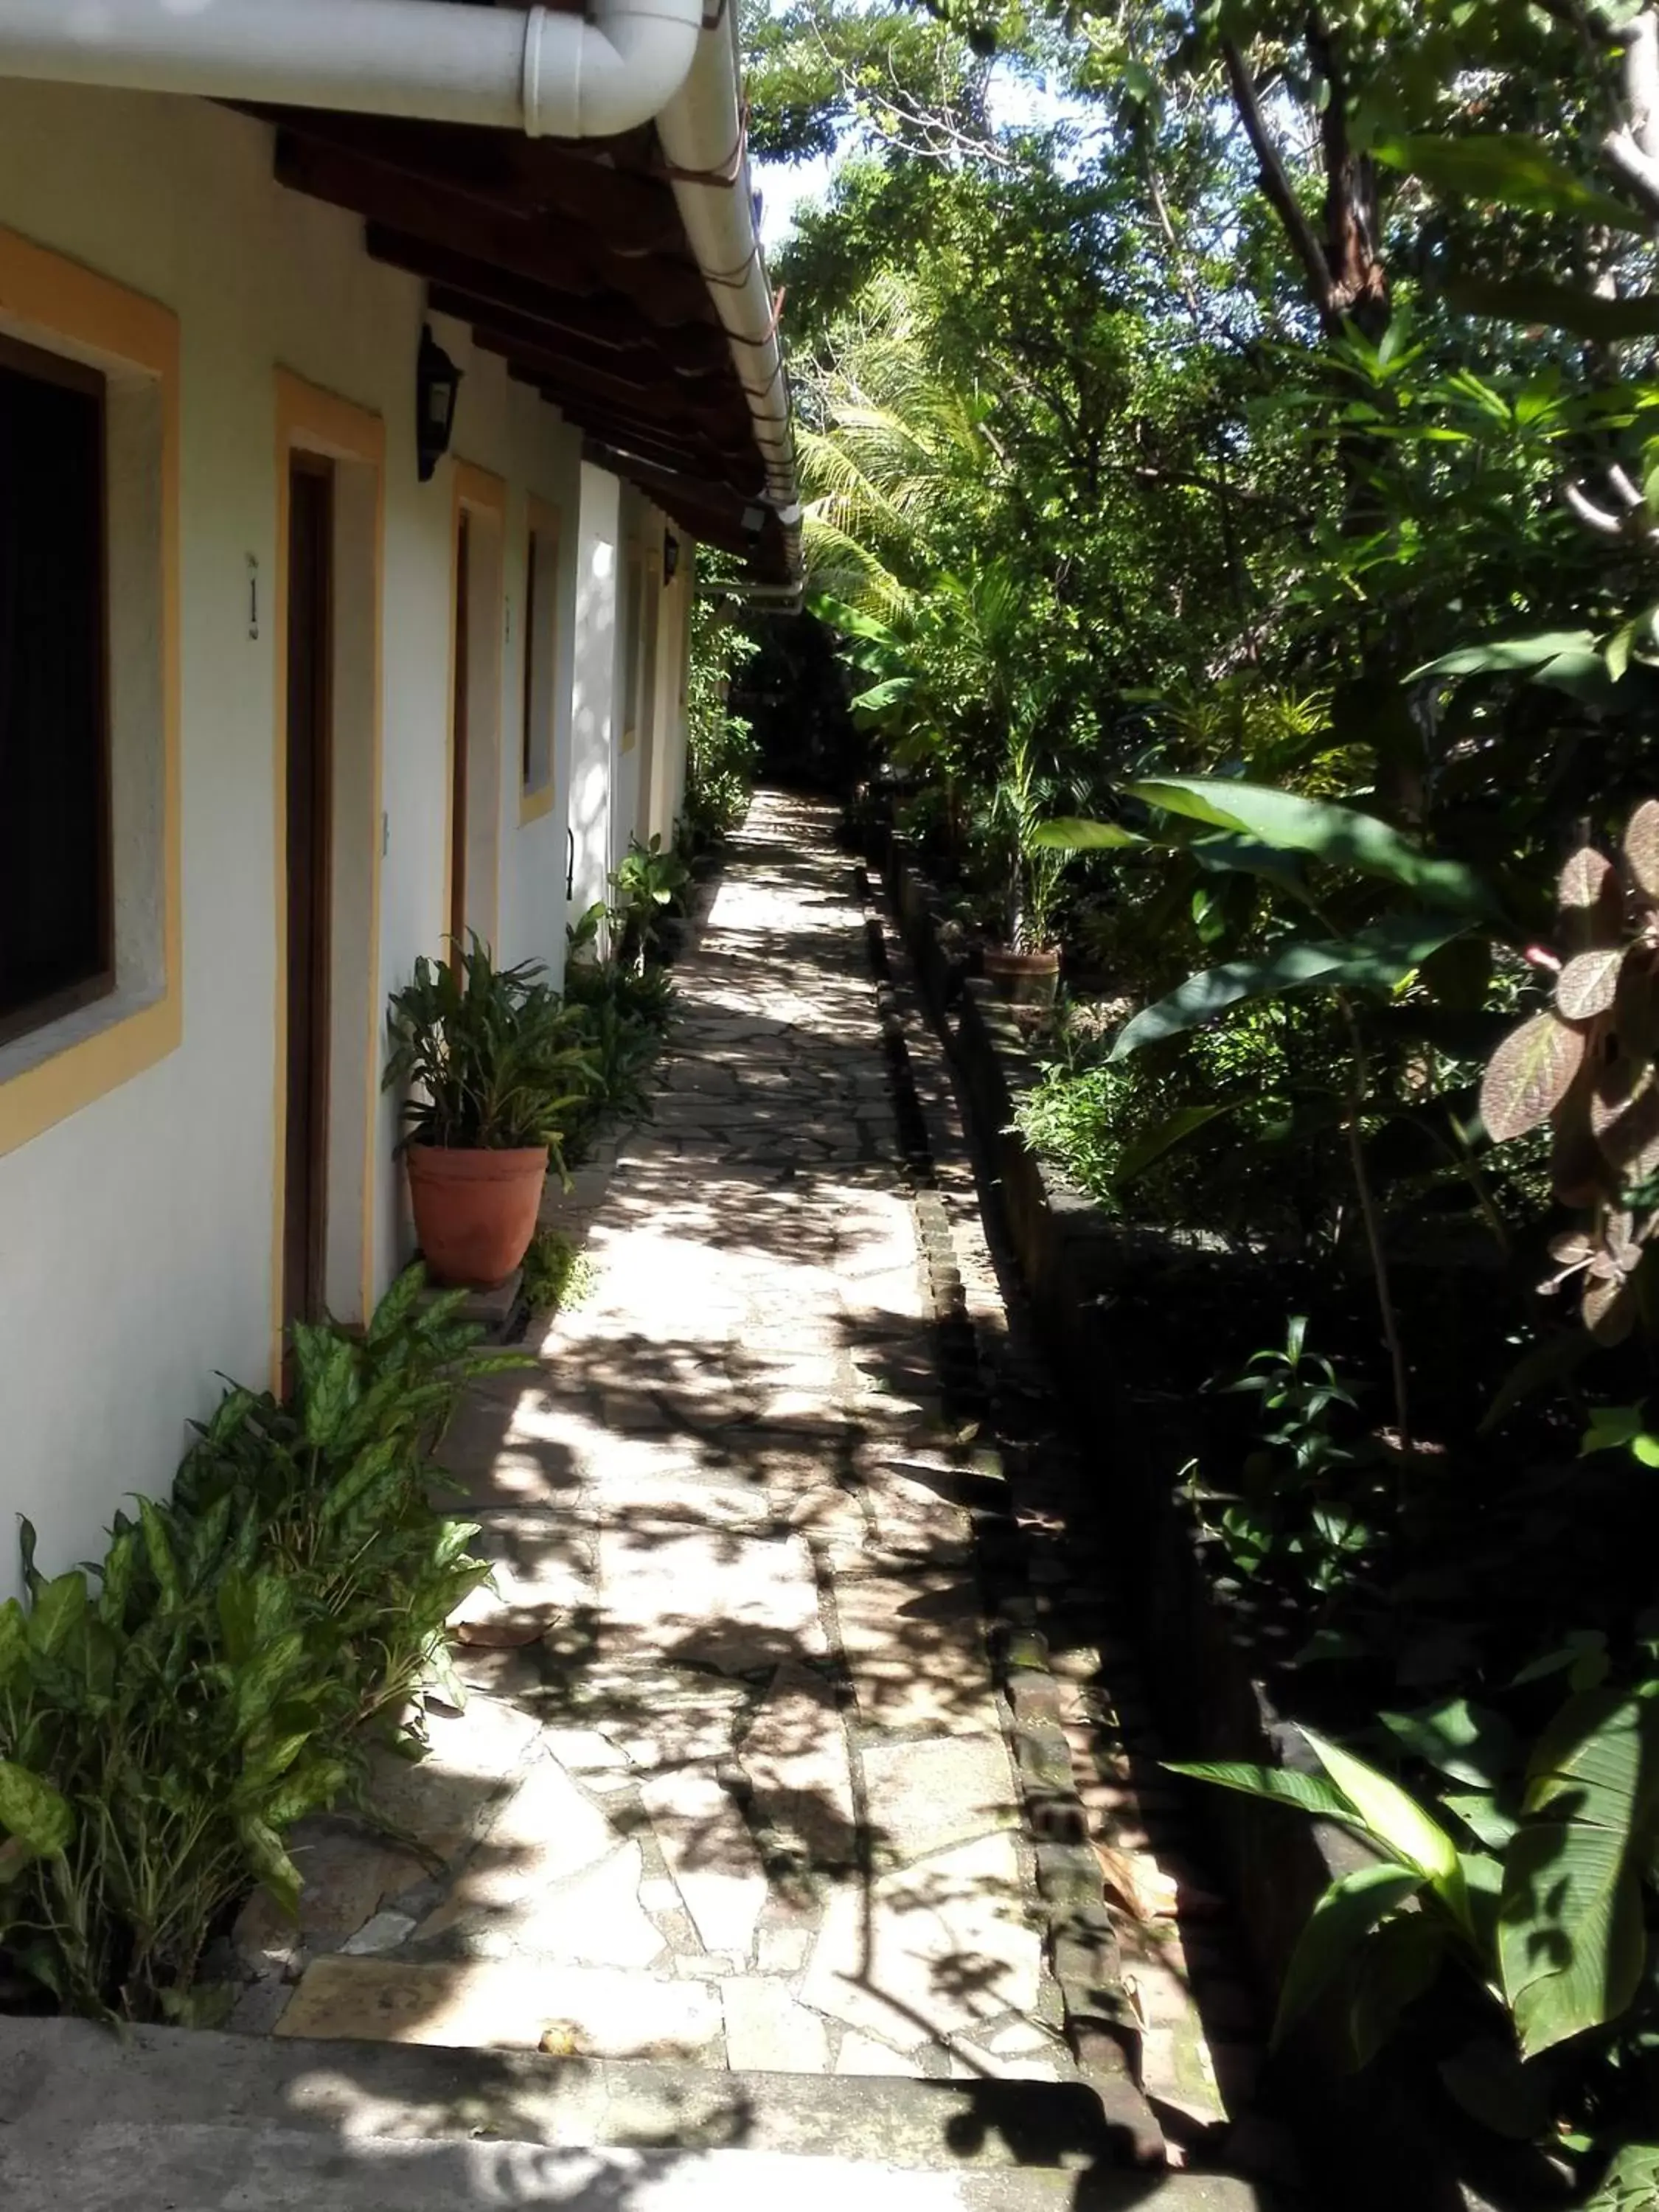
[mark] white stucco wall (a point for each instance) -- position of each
(587, 810)
(136, 1236)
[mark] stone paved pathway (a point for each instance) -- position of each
(732, 1782)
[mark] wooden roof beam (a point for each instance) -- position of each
(611, 323)
(685, 460)
(667, 292)
(650, 363)
(532, 175)
(723, 423)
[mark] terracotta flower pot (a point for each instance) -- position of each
(1025, 979)
(474, 1212)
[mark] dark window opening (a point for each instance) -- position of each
(527, 758)
(55, 949)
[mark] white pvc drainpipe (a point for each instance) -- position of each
(704, 137)
(546, 73)
(543, 72)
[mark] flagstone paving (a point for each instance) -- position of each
(732, 1782)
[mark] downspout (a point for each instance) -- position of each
(538, 71)
(705, 137)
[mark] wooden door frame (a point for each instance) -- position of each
(311, 420)
(474, 492)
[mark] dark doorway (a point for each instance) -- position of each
(310, 652)
(461, 748)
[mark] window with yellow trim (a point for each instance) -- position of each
(89, 915)
(55, 948)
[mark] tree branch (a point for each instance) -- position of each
(1641, 82)
(1275, 181)
(1632, 145)
(1640, 171)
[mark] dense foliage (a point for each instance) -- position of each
(721, 756)
(167, 1718)
(1235, 471)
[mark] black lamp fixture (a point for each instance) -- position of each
(437, 381)
(670, 557)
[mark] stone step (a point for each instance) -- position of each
(168, 2120)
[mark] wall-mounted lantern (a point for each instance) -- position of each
(437, 382)
(671, 556)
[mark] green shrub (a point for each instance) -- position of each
(486, 1053)
(557, 1275)
(722, 755)
(166, 1718)
(647, 885)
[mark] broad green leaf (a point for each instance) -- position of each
(1227, 855)
(158, 1547)
(56, 1616)
(360, 1477)
(1344, 1915)
(1375, 958)
(14, 1639)
(328, 1380)
(1340, 836)
(1507, 656)
(1071, 834)
(1395, 1820)
(239, 1622)
(396, 1307)
(1279, 1785)
(1513, 170)
(120, 1567)
(1481, 1816)
(1557, 307)
(1632, 2181)
(1528, 1076)
(270, 1864)
(1394, 1968)
(1571, 1941)
(266, 1677)
(1165, 1136)
(34, 1812)
(1471, 1743)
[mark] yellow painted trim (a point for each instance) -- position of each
(484, 493)
(480, 488)
(544, 522)
(312, 420)
(68, 308)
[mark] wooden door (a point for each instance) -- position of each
(310, 652)
(461, 748)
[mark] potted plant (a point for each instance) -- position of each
(646, 883)
(1026, 969)
(487, 1056)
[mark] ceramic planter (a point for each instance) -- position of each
(1024, 979)
(474, 1212)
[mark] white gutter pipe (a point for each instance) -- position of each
(543, 72)
(702, 134)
